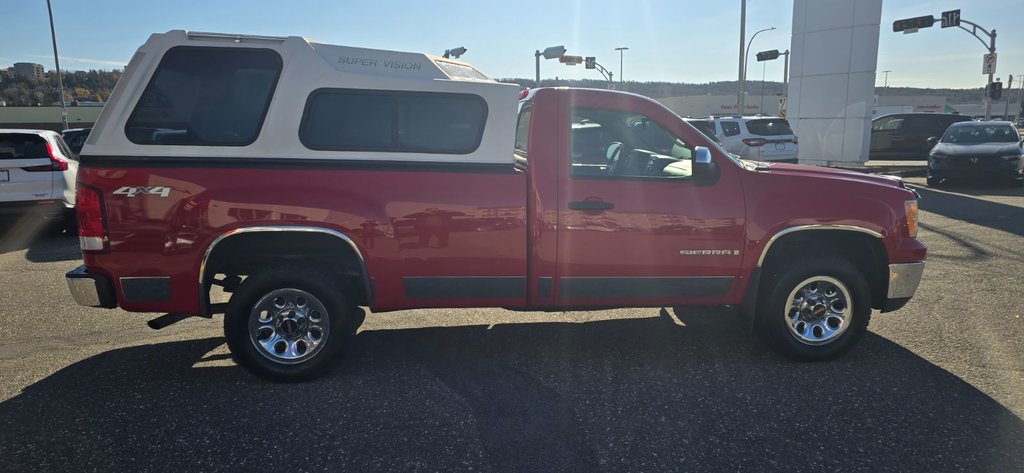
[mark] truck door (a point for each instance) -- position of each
(638, 229)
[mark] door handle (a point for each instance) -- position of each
(591, 205)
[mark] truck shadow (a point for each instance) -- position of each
(963, 202)
(619, 395)
(42, 240)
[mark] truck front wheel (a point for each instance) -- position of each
(288, 324)
(814, 309)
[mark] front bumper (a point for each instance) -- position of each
(966, 167)
(90, 290)
(903, 281)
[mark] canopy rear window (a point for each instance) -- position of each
(206, 96)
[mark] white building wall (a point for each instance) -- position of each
(832, 79)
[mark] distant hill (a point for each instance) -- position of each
(95, 85)
(674, 89)
(92, 86)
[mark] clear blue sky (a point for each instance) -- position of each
(669, 40)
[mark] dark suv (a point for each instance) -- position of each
(905, 135)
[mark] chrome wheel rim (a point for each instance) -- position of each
(818, 310)
(288, 326)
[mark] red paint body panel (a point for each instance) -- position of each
(404, 223)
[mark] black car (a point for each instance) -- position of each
(904, 136)
(75, 138)
(991, 149)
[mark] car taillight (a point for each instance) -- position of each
(796, 140)
(56, 164)
(92, 227)
(754, 141)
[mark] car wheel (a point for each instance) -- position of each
(289, 324)
(815, 308)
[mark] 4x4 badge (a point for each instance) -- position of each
(161, 191)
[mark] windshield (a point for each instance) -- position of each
(964, 134)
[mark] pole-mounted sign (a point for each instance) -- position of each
(950, 18)
(988, 63)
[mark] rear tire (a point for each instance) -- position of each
(814, 309)
(289, 324)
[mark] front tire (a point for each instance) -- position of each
(289, 324)
(814, 309)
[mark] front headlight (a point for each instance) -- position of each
(938, 157)
(911, 207)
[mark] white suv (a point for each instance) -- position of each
(757, 138)
(37, 175)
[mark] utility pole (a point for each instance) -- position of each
(56, 62)
(785, 75)
(885, 86)
(743, 80)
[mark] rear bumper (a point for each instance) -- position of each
(903, 281)
(90, 290)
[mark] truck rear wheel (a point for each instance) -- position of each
(288, 324)
(814, 309)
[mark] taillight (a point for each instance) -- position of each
(754, 141)
(92, 227)
(796, 140)
(56, 164)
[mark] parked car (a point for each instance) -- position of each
(37, 175)
(441, 187)
(75, 138)
(990, 149)
(904, 136)
(757, 138)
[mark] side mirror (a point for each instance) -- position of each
(704, 169)
(932, 140)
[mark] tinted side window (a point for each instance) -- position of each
(523, 129)
(730, 128)
(206, 96)
(888, 123)
(405, 122)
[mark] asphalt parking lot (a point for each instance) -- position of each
(936, 386)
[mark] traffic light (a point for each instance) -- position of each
(913, 23)
(995, 92)
(768, 55)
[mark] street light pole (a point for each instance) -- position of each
(1009, 90)
(549, 53)
(620, 50)
(739, 79)
(56, 62)
(885, 85)
(743, 75)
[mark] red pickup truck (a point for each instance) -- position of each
(307, 180)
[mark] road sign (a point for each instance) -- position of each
(768, 55)
(950, 18)
(988, 64)
(591, 62)
(571, 60)
(912, 24)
